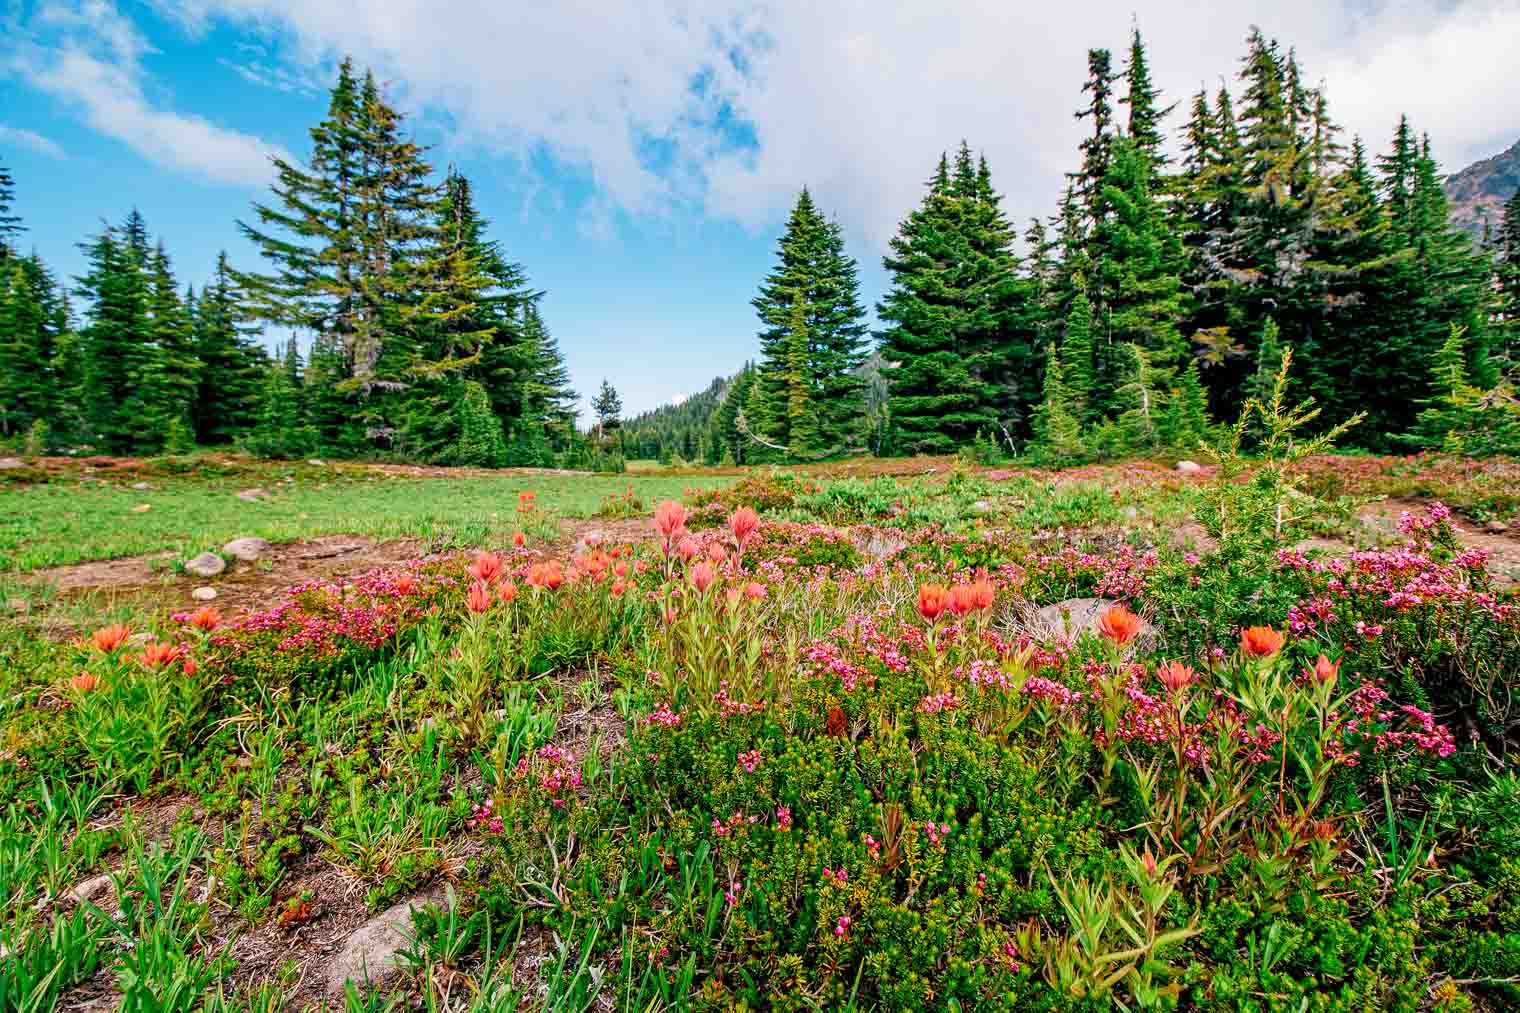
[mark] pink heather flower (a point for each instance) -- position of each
(784, 818)
(841, 925)
(731, 895)
(750, 760)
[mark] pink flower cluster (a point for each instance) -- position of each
(483, 816)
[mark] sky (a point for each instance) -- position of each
(639, 158)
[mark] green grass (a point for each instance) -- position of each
(67, 521)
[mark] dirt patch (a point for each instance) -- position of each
(1503, 549)
(607, 533)
(244, 587)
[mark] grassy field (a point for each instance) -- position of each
(76, 517)
(910, 736)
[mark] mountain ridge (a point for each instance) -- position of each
(1478, 192)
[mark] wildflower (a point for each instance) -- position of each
(731, 895)
(507, 592)
(109, 638)
(1261, 641)
(670, 519)
(702, 576)
(619, 585)
(85, 682)
(478, 599)
(1175, 676)
(1325, 670)
(486, 566)
(519, 539)
(841, 925)
(743, 524)
(664, 716)
(205, 618)
(405, 584)
(1119, 625)
(190, 667)
(959, 600)
(1149, 861)
(526, 502)
(750, 760)
(754, 590)
(982, 594)
(687, 548)
(715, 553)
(156, 655)
(620, 568)
(784, 818)
(931, 600)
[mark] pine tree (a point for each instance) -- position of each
(1144, 101)
(608, 408)
(231, 381)
(1097, 147)
(801, 422)
(481, 442)
(1507, 348)
(1141, 409)
(10, 225)
(813, 267)
(117, 357)
(34, 336)
(1057, 428)
(173, 378)
(1076, 355)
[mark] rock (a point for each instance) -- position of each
(877, 544)
(98, 890)
(142, 486)
(592, 539)
(1069, 619)
(316, 462)
(207, 564)
(10, 463)
(981, 506)
(246, 549)
(1189, 467)
(142, 508)
(204, 594)
(251, 495)
(1496, 527)
(370, 952)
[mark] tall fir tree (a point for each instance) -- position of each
(1144, 101)
(10, 224)
(233, 364)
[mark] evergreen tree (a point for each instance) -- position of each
(1057, 428)
(33, 336)
(173, 377)
(481, 442)
(1144, 101)
(812, 269)
(801, 423)
(1507, 348)
(1076, 355)
(231, 380)
(116, 350)
(608, 408)
(10, 225)
(1097, 147)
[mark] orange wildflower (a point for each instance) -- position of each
(1261, 641)
(486, 567)
(85, 682)
(109, 638)
(156, 655)
(1325, 670)
(1119, 625)
(507, 592)
(702, 576)
(205, 618)
(931, 600)
(743, 524)
(478, 598)
(1175, 676)
(670, 519)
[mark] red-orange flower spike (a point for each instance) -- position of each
(961, 600)
(931, 600)
(406, 583)
(1325, 670)
(85, 682)
(702, 576)
(743, 524)
(478, 598)
(670, 519)
(1261, 641)
(982, 594)
(487, 567)
(1175, 676)
(1119, 625)
(156, 655)
(519, 539)
(507, 592)
(754, 590)
(109, 638)
(205, 618)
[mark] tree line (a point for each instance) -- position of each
(424, 340)
(1160, 295)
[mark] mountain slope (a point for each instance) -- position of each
(1478, 192)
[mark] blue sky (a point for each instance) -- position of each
(639, 158)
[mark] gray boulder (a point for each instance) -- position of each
(246, 549)
(207, 564)
(371, 951)
(204, 594)
(1067, 620)
(1189, 467)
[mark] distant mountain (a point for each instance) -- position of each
(1477, 193)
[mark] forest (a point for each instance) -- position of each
(1198, 242)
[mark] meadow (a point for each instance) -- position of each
(897, 735)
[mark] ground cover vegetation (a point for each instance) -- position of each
(979, 739)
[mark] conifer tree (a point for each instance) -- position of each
(801, 423)
(173, 376)
(1098, 145)
(1507, 348)
(10, 225)
(481, 442)
(1057, 428)
(231, 380)
(608, 407)
(1076, 355)
(1144, 101)
(34, 336)
(117, 357)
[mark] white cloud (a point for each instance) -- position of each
(855, 97)
(30, 139)
(88, 55)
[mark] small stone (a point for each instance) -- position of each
(982, 506)
(10, 463)
(96, 890)
(316, 462)
(207, 564)
(1189, 467)
(204, 594)
(1496, 527)
(142, 486)
(246, 549)
(251, 495)
(371, 949)
(142, 508)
